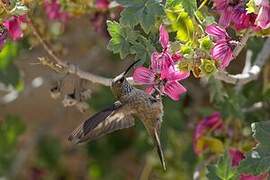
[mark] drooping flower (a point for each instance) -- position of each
(236, 156)
(13, 25)
(212, 122)
(263, 18)
(166, 80)
(222, 49)
(209, 123)
(54, 11)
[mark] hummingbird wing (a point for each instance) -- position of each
(104, 122)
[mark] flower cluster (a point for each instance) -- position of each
(233, 12)
(162, 75)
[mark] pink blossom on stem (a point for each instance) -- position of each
(166, 81)
(54, 11)
(13, 25)
(163, 60)
(222, 49)
(161, 75)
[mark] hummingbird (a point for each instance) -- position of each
(131, 102)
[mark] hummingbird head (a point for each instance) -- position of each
(120, 85)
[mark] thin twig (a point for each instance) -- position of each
(70, 68)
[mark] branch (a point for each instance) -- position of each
(70, 68)
(253, 72)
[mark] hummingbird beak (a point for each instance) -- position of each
(159, 150)
(127, 70)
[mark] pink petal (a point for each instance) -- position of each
(236, 156)
(143, 75)
(251, 177)
(220, 4)
(14, 28)
(174, 90)
(160, 61)
(171, 74)
(216, 32)
(263, 18)
(222, 52)
(226, 17)
(163, 37)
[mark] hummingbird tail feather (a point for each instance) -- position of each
(159, 150)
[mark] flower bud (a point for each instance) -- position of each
(208, 67)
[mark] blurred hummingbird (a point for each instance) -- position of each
(132, 102)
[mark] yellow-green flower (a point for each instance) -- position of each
(208, 67)
(184, 65)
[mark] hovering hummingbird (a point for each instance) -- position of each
(132, 102)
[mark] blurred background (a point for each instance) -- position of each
(35, 123)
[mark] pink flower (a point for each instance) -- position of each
(102, 4)
(13, 26)
(212, 122)
(54, 11)
(209, 123)
(163, 60)
(222, 49)
(236, 156)
(263, 18)
(166, 81)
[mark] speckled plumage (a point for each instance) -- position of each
(132, 102)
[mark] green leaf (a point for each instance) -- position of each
(126, 41)
(180, 22)
(10, 75)
(118, 42)
(143, 12)
(7, 55)
(190, 6)
(222, 170)
(258, 160)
